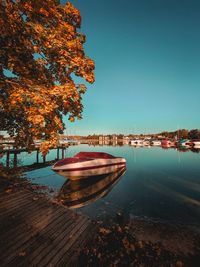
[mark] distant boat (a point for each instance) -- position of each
(184, 143)
(76, 194)
(196, 143)
(137, 142)
(85, 164)
(66, 141)
(165, 143)
(156, 143)
(146, 143)
(63, 141)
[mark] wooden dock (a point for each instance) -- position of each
(15, 152)
(37, 232)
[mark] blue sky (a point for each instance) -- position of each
(147, 56)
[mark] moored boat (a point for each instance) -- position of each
(156, 143)
(146, 143)
(165, 143)
(85, 164)
(196, 143)
(137, 142)
(184, 143)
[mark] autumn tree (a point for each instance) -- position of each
(40, 49)
(182, 133)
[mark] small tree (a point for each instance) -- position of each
(194, 134)
(40, 49)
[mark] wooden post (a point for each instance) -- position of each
(58, 153)
(63, 154)
(15, 159)
(8, 159)
(37, 156)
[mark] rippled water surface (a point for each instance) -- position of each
(160, 184)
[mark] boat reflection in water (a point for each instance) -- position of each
(79, 193)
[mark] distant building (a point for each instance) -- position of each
(114, 137)
(161, 136)
(126, 140)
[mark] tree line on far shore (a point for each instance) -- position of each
(183, 133)
(193, 134)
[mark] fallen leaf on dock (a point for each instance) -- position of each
(22, 253)
(179, 264)
(9, 190)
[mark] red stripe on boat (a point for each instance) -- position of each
(94, 155)
(70, 160)
(94, 167)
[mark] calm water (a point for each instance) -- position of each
(160, 184)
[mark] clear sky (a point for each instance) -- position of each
(147, 56)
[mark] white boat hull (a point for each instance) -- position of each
(89, 168)
(196, 143)
(80, 174)
(137, 143)
(156, 143)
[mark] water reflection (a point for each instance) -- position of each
(195, 150)
(162, 184)
(76, 194)
(184, 149)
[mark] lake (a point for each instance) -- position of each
(158, 184)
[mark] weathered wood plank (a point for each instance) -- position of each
(68, 244)
(4, 197)
(11, 203)
(12, 220)
(59, 246)
(37, 252)
(39, 233)
(55, 238)
(20, 204)
(30, 243)
(28, 219)
(24, 240)
(71, 257)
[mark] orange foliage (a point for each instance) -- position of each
(41, 47)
